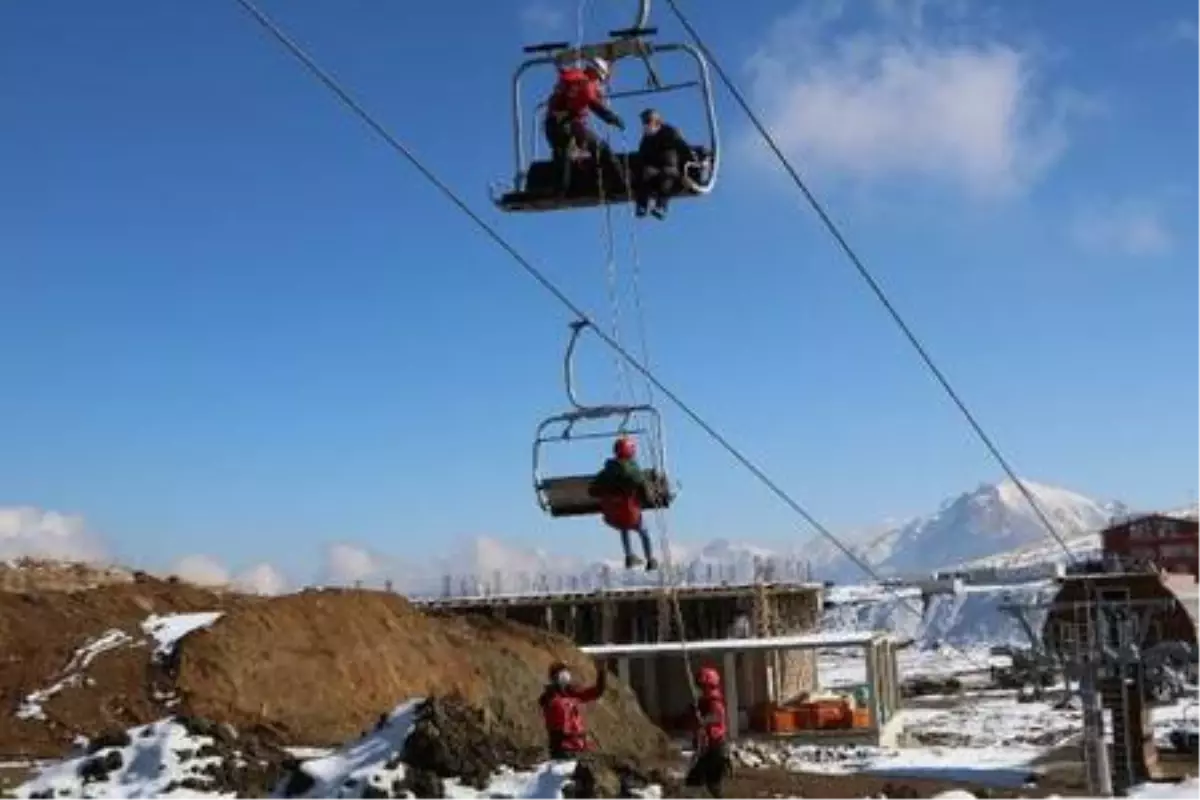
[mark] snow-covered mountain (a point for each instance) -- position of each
(970, 618)
(970, 528)
(994, 518)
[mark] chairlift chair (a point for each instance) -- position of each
(537, 185)
(569, 495)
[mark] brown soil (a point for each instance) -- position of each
(314, 668)
(320, 666)
(41, 631)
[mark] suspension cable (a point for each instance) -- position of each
(540, 277)
(833, 229)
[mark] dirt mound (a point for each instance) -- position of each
(314, 668)
(47, 575)
(85, 659)
(319, 666)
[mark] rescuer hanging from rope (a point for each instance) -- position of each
(577, 92)
(619, 487)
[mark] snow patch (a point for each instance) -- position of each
(158, 759)
(73, 675)
(168, 629)
(967, 619)
(1184, 790)
(373, 759)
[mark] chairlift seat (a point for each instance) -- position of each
(569, 496)
(543, 183)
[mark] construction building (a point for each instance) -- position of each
(762, 636)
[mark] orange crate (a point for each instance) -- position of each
(805, 718)
(783, 720)
(862, 717)
(832, 714)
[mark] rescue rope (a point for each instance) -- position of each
(624, 381)
(866, 275)
(563, 299)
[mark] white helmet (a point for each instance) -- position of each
(600, 66)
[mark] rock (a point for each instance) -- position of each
(421, 782)
(114, 737)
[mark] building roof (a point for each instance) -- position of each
(806, 641)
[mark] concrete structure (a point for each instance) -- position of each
(650, 670)
(644, 615)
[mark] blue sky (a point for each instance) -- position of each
(235, 323)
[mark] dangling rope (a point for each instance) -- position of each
(624, 381)
(666, 567)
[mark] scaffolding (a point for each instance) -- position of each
(1101, 639)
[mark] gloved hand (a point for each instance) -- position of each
(618, 123)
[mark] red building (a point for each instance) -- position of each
(1170, 543)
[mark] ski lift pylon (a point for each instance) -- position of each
(537, 184)
(570, 495)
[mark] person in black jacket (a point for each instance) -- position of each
(663, 152)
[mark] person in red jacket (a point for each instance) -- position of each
(619, 489)
(712, 756)
(576, 93)
(560, 702)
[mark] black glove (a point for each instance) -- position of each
(618, 123)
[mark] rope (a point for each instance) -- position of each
(657, 451)
(624, 381)
(870, 279)
(558, 294)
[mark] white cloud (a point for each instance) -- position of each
(1128, 227)
(205, 570)
(201, 570)
(263, 579)
(899, 99)
(26, 531)
(1185, 30)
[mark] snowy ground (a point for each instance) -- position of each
(165, 760)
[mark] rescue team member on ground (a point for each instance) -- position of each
(560, 702)
(712, 763)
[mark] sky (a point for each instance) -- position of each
(240, 333)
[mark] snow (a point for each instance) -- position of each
(990, 766)
(989, 719)
(73, 675)
(370, 760)
(167, 629)
(160, 755)
(1184, 790)
(970, 618)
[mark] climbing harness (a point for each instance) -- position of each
(537, 185)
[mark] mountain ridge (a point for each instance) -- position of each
(989, 520)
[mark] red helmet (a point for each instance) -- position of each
(625, 448)
(708, 678)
